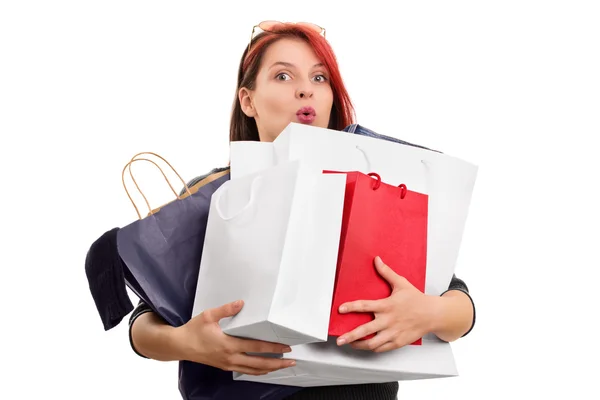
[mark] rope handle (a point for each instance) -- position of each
(134, 159)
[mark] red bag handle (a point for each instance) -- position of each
(377, 184)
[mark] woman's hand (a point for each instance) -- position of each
(402, 318)
(201, 340)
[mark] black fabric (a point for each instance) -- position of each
(104, 272)
(371, 391)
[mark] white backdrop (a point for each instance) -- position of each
(512, 86)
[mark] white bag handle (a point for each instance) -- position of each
(429, 174)
(364, 153)
(253, 190)
(426, 163)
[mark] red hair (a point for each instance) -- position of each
(342, 112)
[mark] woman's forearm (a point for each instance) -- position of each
(155, 339)
(453, 315)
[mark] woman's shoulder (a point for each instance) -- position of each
(199, 178)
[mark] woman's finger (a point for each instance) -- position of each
(388, 346)
(397, 341)
(360, 332)
(262, 363)
(380, 339)
(248, 371)
(373, 306)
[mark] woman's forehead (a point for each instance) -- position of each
(291, 51)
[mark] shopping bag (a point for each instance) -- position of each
(272, 240)
(379, 220)
(327, 364)
(448, 181)
(162, 250)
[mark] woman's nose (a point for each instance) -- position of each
(303, 93)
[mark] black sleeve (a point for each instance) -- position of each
(140, 309)
(459, 284)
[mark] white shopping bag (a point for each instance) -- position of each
(447, 180)
(272, 240)
(326, 364)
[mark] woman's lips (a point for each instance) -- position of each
(305, 119)
(306, 115)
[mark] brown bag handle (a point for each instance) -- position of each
(133, 159)
(172, 168)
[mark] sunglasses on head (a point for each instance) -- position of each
(269, 26)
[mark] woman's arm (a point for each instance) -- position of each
(201, 340)
(453, 312)
(151, 337)
(408, 314)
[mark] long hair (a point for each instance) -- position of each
(243, 127)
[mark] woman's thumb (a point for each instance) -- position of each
(233, 308)
(224, 311)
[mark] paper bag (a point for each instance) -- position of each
(379, 220)
(161, 251)
(448, 181)
(326, 364)
(272, 240)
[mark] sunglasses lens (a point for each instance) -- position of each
(266, 25)
(312, 26)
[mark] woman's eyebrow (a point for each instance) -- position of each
(290, 65)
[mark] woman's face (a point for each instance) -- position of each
(292, 86)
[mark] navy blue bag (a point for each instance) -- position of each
(162, 254)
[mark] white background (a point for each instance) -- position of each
(512, 86)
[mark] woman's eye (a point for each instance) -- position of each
(283, 77)
(320, 78)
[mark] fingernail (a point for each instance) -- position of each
(292, 363)
(341, 341)
(343, 309)
(287, 349)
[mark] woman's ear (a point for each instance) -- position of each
(245, 97)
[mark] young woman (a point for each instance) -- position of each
(287, 74)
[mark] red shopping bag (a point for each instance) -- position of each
(379, 220)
